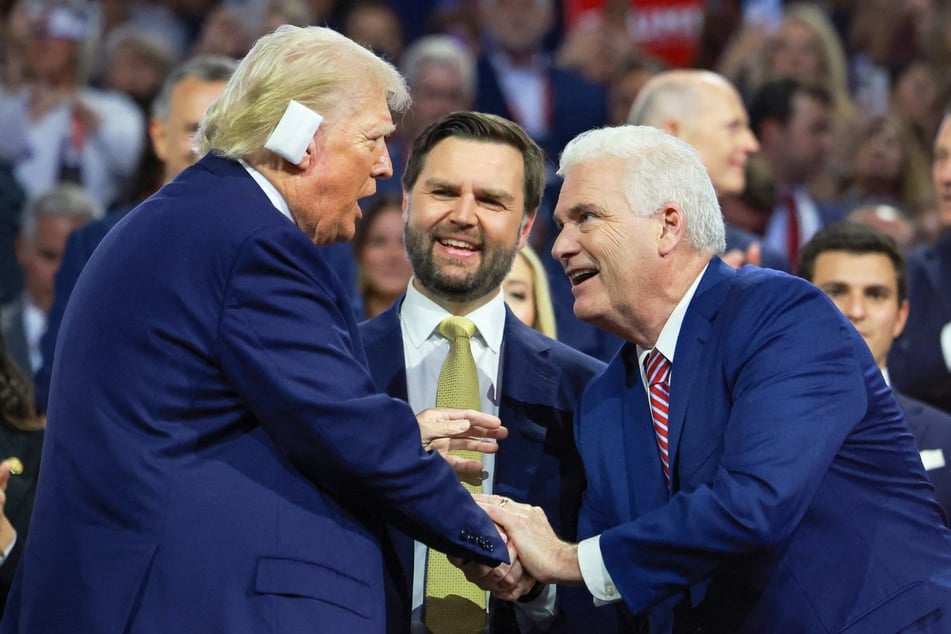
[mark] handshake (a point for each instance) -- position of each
(537, 555)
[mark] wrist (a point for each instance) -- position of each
(532, 594)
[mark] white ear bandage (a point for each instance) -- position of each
(294, 132)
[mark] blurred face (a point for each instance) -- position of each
(606, 249)
(865, 289)
(40, 256)
(519, 289)
(351, 154)
(519, 26)
(172, 139)
(807, 139)
(720, 133)
(622, 93)
(378, 29)
(916, 93)
(795, 52)
(465, 219)
(439, 90)
(941, 170)
(880, 155)
(384, 266)
(51, 58)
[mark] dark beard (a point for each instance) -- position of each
(496, 263)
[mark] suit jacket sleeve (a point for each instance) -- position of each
(281, 312)
(782, 369)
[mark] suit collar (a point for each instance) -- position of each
(695, 333)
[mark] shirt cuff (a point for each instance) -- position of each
(8, 549)
(595, 575)
(539, 612)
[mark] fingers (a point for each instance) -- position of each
(734, 258)
(754, 255)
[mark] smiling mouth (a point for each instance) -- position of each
(581, 275)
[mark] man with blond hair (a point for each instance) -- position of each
(217, 458)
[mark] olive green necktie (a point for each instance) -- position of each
(453, 605)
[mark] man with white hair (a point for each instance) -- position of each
(217, 458)
(762, 477)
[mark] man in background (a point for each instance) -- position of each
(46, 223)
(863, 271)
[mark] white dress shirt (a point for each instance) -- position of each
(593, 571)
(34, 325)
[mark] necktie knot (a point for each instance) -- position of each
(657, 368)
(454, 327)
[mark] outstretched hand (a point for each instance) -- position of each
(737, 257)
(446, 429)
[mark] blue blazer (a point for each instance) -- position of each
(216, 457)
(799, 503)
(915, 363)
(542, 381)
(932, 430)
(79, 248)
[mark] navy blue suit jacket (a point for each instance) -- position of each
(932, 430)
(799, 501)
(79, 248)
(916, 363)
(542, 381)
(216, 456)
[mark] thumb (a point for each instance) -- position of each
(4, 474)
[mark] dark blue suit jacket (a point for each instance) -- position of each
(79, 248)
(538, 463)
(916, 363)
(799, 500)
(576, 105)
(932, 430)
(217, 458)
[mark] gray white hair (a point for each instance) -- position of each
(67, 200)
(659, 169)
(440, 49)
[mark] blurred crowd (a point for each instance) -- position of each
(845, 100)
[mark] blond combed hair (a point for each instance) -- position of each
(315, 66)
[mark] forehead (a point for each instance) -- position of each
(719, 100)
(458, 157)
(858, 269)
(943, 139)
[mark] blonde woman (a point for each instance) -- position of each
(527, 294)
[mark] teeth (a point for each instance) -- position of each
(458, 244)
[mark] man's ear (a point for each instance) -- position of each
(158, 134)
(671, 127)
(673, 228)
(526, 229)
(309, 157)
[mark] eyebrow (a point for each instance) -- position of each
(498, 194)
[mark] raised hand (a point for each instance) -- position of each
(446, 429)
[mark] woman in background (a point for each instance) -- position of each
(383, 268)
(526, 293)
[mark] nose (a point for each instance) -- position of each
(463, 211)
(383, 168)
(750, 142)
(565, 246)
(853, 307)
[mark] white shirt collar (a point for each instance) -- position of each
(669, 334)
(269, 190)
(421, 317)
(885, 375)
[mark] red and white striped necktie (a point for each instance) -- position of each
(658, 380)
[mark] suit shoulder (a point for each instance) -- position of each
(921, 416)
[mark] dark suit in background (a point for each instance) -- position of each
(932, 430)
(916, 363)
(541, 381)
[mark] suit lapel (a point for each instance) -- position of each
(527, 376)
(383, 340)
(688, 357)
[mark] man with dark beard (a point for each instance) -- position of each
(471, 188)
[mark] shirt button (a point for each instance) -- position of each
(610, 590)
